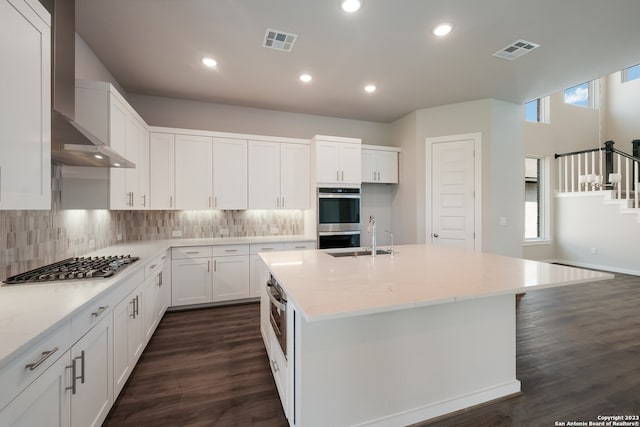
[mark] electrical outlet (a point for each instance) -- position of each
(275, 230)
(92, 244)
(176, 233)
(119, 237)
(594, 251)
(503, 221)
(224, 232)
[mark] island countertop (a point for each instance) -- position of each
(324, 287)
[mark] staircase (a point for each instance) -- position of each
(607, 171)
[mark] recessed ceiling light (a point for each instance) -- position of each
(370, 88)
(305, 78)
(98, 156)
(442, 29)
(350, 6)
(209, 62)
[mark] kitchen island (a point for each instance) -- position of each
(396, 339)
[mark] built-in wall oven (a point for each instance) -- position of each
(278, 312)
(338, 217)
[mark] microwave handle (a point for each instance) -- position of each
(279, 305)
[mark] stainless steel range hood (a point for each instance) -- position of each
(71, 143)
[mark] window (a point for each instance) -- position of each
(537, 110)
(536, 202)
(581, 95)
(631, 73)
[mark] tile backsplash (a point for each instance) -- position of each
(29, 239)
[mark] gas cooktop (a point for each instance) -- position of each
(77, 268)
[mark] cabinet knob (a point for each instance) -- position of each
(435, 235)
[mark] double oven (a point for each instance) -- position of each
(338, 217)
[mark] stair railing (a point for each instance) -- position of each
(599, 169)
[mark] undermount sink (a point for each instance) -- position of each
(358, 253)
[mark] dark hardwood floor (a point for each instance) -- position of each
(578, 356)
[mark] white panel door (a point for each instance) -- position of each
(294, 176)
(132, 152)
(229, 173)
(231, 278)
(194, 177)
(350, 163)
(328, 162)
(369, 170)
(452, 190)
(264, 175)
(25, 106)
(142, 166)
(161, 171)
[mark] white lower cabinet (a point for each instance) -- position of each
(258, 276)
(92, 385)
(230, 278)
(191, 281)
(128, 338)
(46, 402)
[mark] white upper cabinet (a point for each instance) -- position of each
(294, 176)
(337, 160)
(229, 173)
(194, 174)
(106, 114)
(278, 175)
(264, 175)
(161, 171)
(380, 165)
(25, 105)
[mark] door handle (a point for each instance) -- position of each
(435, 235)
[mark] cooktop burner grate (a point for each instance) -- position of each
(74, 269)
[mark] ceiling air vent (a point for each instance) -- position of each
(516, 50)
(279, 40)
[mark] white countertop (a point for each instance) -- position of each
(325, 287)
(28, 312)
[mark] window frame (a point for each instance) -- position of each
(625, 74)
(544, 201)
(542, 109)
(593, 97)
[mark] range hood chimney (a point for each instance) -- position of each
(71, 144)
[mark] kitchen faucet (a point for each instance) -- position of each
(372, 230)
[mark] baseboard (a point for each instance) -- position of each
(446, 407)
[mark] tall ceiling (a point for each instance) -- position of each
(154, 47)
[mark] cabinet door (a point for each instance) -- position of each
(132, 148)
(327, 162)
(92, 358)
(369, 171)
(161, 171)
(191, 281)
(264, 175)
(350, 163)
(128, 338)
(151, 299)
(46, 402)
(193, 173)
(294, 176)
(142, 167)
(229, 173)
(25, 106)
(118, 124)
(387, 165)
(231, 278)
(165, 286)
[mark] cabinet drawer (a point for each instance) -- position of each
(93, 313)
(299, 246)
(228, 250)
(191, 252)
(30, 364)
(153, 267)
(256, 248)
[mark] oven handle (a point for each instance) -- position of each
(339, 196)
(274, 325)
(280, 305)
(337, 233)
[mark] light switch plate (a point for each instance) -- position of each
(503, 220)
(176, 233)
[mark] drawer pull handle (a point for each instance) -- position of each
(192, 252)
(45, 356)
(153, 266)
(266, 249)
(231, 250)
(99, 311)
(300, 247)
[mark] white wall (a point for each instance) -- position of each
(621, 122)
(585, 222)
(501, 127)
(376, 201)
(90, 67)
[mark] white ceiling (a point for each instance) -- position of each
(154, 47)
